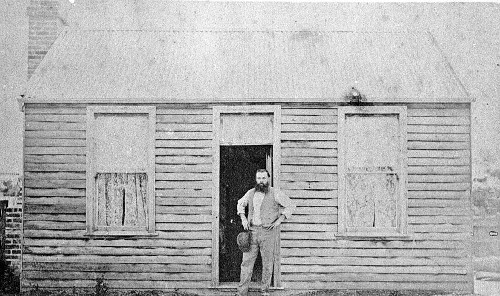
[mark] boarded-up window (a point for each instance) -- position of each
(120, 168)
(372, 171)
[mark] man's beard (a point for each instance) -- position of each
(262, 187)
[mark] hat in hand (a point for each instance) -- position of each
(243, 240)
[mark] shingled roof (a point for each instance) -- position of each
(217, 66)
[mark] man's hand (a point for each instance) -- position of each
(244, 222)
(276, 223)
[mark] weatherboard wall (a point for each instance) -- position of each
(434, 255)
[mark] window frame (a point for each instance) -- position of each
(402, 198)
(91, 172)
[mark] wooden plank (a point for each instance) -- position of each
(373, 244)
(184, 227)
(309, 161)
(54, 217)
(183, 135)
(438, 120)
(54, 200)
(439, 212)
(439, 220)
(439, 186)
(183, 151)
(120, 259)
(55, 109)
(191, 209)
(309, 228)
(145, 276)
(55, 192)
(55, 134)
(52, 176)
(186, 127)
(313, 219)
(425, 194)
(438, 203)
(187, 192)
(183, 184)
(439, 137)
(116, 242)
(439, 161)
(30, 142)
(180, 201)
(412, 145)
(79, 234)
(56, 117)
(58, 167)
(117, 284)
(185, 109)
(309, 119)
(438, 112)
(183, 176)
(438, 170)
(302, 185)
(293, 136)
(110, 267)
(319, 194)
(309, 111)
(183, 143)
(375, 261)
(443, 129)
(184, 118)
(313, 210)
(309, 127)
(50, 158)
(438, 154)
(287, 269)
(299, 176)
(53, 225)
(113, 251)
(373, 277)
(308, 152)
(449, 106)
(61, 234)
(330, 252)
(183, 159)
(172, 218)
(440, 228)
(309, 144)
(54, 126)
(439, 178)
(51, 209)
(189, 168)
(55, 150)
(317, 169)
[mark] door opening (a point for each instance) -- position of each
(238, 165)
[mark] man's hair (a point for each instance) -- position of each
(263, 171)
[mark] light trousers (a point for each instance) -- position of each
(265, 241)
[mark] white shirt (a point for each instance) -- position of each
(279, 197)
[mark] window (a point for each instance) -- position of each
(120, 170)
(372, 170)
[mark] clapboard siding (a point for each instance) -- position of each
(432, 256)
(438, 205)
(55, 221)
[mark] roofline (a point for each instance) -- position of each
(32, 100)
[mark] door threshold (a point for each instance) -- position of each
(232, 286)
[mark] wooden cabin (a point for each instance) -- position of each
(138, 144)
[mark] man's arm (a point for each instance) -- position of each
(242, 203)
(285, 202)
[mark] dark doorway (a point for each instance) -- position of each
(238, 165)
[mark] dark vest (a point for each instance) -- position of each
(269, 209)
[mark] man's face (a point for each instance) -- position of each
(262, 178)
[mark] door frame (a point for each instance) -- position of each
(218, 111)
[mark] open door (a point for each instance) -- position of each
(237, 175)
(247, 138)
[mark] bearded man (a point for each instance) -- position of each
(267, 209)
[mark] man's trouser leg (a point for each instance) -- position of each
(247, 266)
(267, 251)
